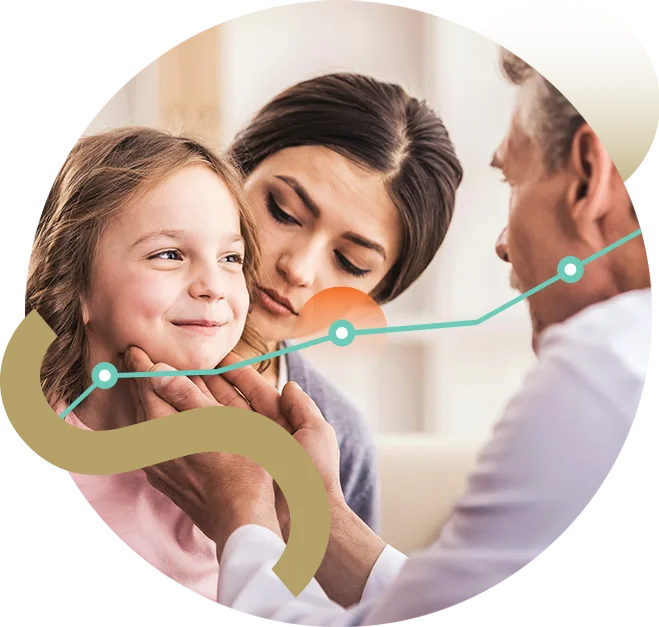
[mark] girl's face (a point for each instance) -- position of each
(325, 222)
(168, 275)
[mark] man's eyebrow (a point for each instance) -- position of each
(171, 233)
(366, 243)
(309, 203)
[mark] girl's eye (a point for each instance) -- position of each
(169, 255)
(278, 213)
(233, 258)
(350, 268)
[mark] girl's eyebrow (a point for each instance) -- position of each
(178, 235)
(171, 233)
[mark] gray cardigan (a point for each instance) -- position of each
(358, 470)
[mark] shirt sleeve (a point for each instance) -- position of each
(384, 573)
(248, 586)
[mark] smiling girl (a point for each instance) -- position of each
(146, 240)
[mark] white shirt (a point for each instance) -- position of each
(548, 455)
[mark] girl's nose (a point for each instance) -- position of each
(208, 283)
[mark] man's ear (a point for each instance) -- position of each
(596, 187)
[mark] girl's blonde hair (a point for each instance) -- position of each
(103, 174)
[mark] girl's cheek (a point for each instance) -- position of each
(241, 306)
(148, 298)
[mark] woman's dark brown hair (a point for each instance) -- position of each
(381, 128)
(102, 175)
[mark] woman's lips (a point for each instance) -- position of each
(275, 303)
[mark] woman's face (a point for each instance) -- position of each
(325, 222)
(168, 275)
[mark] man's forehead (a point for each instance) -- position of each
(501, 151)
(514, 142)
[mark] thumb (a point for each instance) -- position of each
(299, 409)
(179, 391)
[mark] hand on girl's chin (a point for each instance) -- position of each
(182, 361)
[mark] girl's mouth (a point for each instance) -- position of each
(206, 327)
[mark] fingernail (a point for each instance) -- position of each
(161, 380)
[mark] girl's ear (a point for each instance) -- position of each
(84, 309)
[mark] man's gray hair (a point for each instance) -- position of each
(546, 114)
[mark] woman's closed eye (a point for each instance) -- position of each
(348, 266)
(277, 213)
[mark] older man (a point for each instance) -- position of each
(549, 453)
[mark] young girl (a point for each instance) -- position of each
(146, 240)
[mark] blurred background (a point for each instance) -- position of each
(450, 382)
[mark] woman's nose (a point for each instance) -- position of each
(297, 267)
(502, 245)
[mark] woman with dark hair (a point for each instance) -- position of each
(353, 184)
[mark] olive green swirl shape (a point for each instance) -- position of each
(226, 429)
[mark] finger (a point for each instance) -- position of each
(136, 360)
(201, 384)
(224, 393)
(178, 391)
(152, 404)
(299, 409)
(261, 395)
(137, 399)
(132, 388)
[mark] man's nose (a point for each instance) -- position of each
(502, 245)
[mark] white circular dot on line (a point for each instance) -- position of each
(570, 269)
(342, 333)
(104, 375)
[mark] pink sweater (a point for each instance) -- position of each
(150, 524)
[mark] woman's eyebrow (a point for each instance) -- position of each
(366, 243)
(308, 202)
(171, 233)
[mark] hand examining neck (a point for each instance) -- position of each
(245, 509)
(222, 492)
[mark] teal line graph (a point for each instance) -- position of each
(342, 333)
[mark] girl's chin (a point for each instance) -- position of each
(197, 363)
